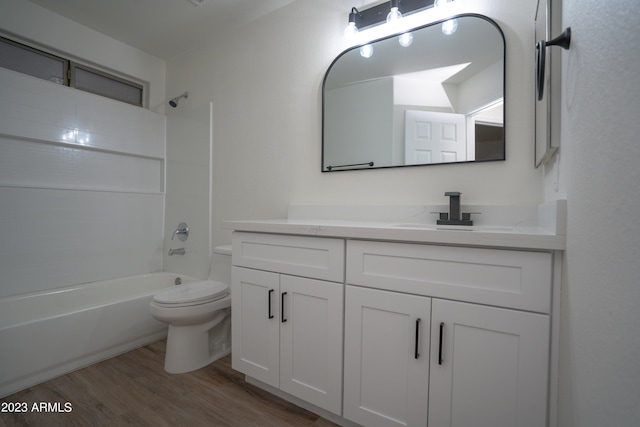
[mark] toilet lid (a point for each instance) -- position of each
(195, 292)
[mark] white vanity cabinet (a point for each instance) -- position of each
(488, 344)
(386, 359)
(399, 326)
(489, 366)
(287, 329)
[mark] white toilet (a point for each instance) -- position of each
(199, 318)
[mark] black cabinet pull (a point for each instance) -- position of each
(282, 307)
(440, 345)
(416, 353)
(269, 303)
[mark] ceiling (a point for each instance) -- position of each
(162, 28)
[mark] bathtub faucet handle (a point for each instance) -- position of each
(182, 231)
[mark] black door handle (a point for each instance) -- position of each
(282, 307)
(416, 353)
(269, 303)
(440, 345)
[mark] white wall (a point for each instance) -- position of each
(599, 169)
(265, 80)
(480, 89)
(363, 114)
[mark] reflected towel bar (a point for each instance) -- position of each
(348, 166)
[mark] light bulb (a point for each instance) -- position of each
(394, 15)
(449, 27)
(405, 39)
(366, 51)
(351, 29)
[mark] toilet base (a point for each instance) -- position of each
(195, 346)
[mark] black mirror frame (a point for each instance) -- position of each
(434, 23)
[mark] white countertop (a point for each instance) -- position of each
(480, 236)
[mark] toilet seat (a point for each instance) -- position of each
(194, 293)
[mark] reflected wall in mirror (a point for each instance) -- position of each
(547, 129)
(438, 100)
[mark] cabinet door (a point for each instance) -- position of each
(311, 341)
(255, 340)
(488, 366)
(386, 361)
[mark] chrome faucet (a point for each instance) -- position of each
(182, 231)
(453, 217)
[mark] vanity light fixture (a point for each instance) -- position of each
(384, 13)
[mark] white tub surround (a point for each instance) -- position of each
(47, 334)
(395, 321)
(82, 184)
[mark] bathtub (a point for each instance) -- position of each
(47, 334)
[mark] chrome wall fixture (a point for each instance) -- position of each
(182, 231)
(564, 41)
(174, 102)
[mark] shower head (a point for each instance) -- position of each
(174, 101)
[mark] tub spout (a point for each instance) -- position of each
(179, 251)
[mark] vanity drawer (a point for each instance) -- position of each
(314, 257)
(513, 279)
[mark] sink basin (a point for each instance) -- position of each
(483, 228)
(415, 225)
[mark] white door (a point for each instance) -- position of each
(386, 359)
(488, 366)
(434, 137)
(311, 341)
(255, 319)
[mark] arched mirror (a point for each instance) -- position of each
(431, 96)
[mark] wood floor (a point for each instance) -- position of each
(133, 389)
